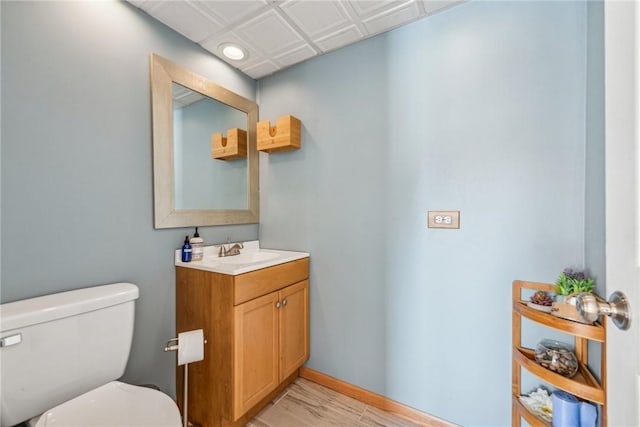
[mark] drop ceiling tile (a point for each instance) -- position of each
(392, 18)
(340, 38)
(183, 96)
(147, 5)
(260, 70)
(296, 55)
(431, 6)
(211, 44)
(367, 7)
(230, 11)
(137, 3)
(279, 33)
(185, 19)
(270, 33)
(316, 18)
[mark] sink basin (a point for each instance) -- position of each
(245, 258)
(251, 258)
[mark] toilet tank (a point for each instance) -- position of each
(59, 346)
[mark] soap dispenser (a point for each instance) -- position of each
(197, 247)
(186, 250)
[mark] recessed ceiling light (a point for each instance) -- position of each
(232, 51)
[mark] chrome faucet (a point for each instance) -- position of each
(233, 250)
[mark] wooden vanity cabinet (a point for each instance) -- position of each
(257, 330)
(271, 343)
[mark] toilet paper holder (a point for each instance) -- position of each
(174, 345)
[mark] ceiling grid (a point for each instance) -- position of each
(276, 34)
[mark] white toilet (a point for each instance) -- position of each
(60, 355)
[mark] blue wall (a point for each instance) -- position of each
(480, 108)
(594, 162)
(77, 182)
(594, 159)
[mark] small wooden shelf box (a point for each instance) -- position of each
(234, 146)
(285, 135)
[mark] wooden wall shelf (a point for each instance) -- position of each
(234, 146)
(583, 385)
(285, 135)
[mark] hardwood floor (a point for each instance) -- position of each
(307, 404)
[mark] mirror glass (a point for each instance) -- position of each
(191, 188)
(195, 118)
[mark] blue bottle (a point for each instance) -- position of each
(186, 250)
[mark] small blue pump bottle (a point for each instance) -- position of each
(186, 250)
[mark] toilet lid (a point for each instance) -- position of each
(115, 404)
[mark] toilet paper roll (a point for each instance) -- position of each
(190, 346)
(588, 415)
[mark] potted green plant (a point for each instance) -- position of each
(573, 282)
(569, 284)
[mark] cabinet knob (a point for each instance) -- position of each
(278, 304)
(284, 301)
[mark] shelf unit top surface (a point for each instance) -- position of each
(592, 332)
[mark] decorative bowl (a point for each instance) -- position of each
(557, 357)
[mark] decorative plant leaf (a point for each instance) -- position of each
(571, 282)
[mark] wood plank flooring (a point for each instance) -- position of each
(307, 404)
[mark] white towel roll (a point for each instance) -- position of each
(190, 346)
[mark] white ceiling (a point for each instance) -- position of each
(183, 96)
(279, 33)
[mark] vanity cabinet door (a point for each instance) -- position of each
(294, 327)
(256, 351)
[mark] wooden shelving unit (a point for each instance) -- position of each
(583, 385)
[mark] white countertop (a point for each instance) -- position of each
(234, 265)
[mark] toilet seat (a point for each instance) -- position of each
(114, 404)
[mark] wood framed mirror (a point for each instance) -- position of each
(190, 187)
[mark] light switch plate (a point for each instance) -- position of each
(443, 219)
